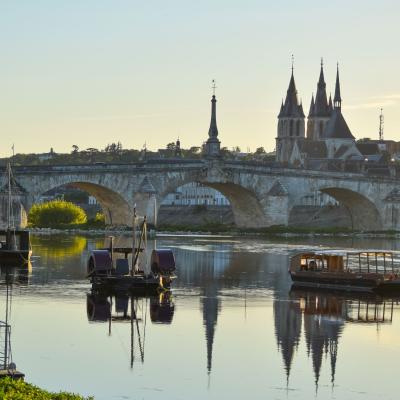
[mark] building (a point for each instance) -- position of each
(328, 135)
(193, 194)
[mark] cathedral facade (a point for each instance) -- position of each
(327, 135)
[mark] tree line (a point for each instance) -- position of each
(115, 153)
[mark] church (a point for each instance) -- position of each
(327, 136)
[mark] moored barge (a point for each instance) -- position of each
(371, 271)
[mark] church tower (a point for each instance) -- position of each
(320, 110)
(290, 123)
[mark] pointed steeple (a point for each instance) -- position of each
(291, 106)
(330, 104)
(337, 100)
(312, 106)
(321, 101)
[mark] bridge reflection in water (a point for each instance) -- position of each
(323, 316)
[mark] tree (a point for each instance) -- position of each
(55, 214)
(195, 149)
(171, 146)
(260, 150)
(75, 149)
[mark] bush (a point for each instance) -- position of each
(56, 214)
(98, 222)
(18, 390)
(100, 218)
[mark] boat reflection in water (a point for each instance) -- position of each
(123, 307)
(8, 276)
(16, 274)
(323, 316)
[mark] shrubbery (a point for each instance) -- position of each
(19, 390)
(56, 214)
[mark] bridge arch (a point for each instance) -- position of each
(116, 209)
(363, 212)
(246, 207)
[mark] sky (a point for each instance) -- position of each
(92, 72)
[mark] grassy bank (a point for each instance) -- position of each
(19, 390)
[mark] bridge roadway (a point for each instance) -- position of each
(261, 194)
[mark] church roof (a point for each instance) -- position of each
(337, 127)
(367, 149)
(341, 151)
(313, 148)
(291, 107)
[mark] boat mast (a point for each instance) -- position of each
(133, 269)
(9, 196)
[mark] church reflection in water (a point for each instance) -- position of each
(323, 317)
(314, 319)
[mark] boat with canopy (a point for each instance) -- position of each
(372, 270)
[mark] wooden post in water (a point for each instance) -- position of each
(112, 249)
(384, 263)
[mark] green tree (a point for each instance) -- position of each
(56, 214)
(260, 150)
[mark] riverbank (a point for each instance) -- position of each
(216, 229)
(17, 389)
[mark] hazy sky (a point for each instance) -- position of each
(93, 72)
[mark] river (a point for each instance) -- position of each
(231, 328)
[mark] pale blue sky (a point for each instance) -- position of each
(93, 72)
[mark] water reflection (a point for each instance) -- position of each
(235, 309)
(323, 316)
(116, 307)
(9, 276)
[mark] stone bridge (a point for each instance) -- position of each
(260, 195)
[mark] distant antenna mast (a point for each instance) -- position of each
(381, 123)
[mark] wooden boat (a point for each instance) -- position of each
(105, 269)
(372, 271)
(15, 247)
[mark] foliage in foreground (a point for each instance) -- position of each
(19, 390)
(56, 214)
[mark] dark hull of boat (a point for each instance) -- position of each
(15, 257)
(348, 283)
(136, 284)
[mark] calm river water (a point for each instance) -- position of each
(231, 328)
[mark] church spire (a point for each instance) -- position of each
(291, 107)
(321, 100)
(312, 106)
(337, 100)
